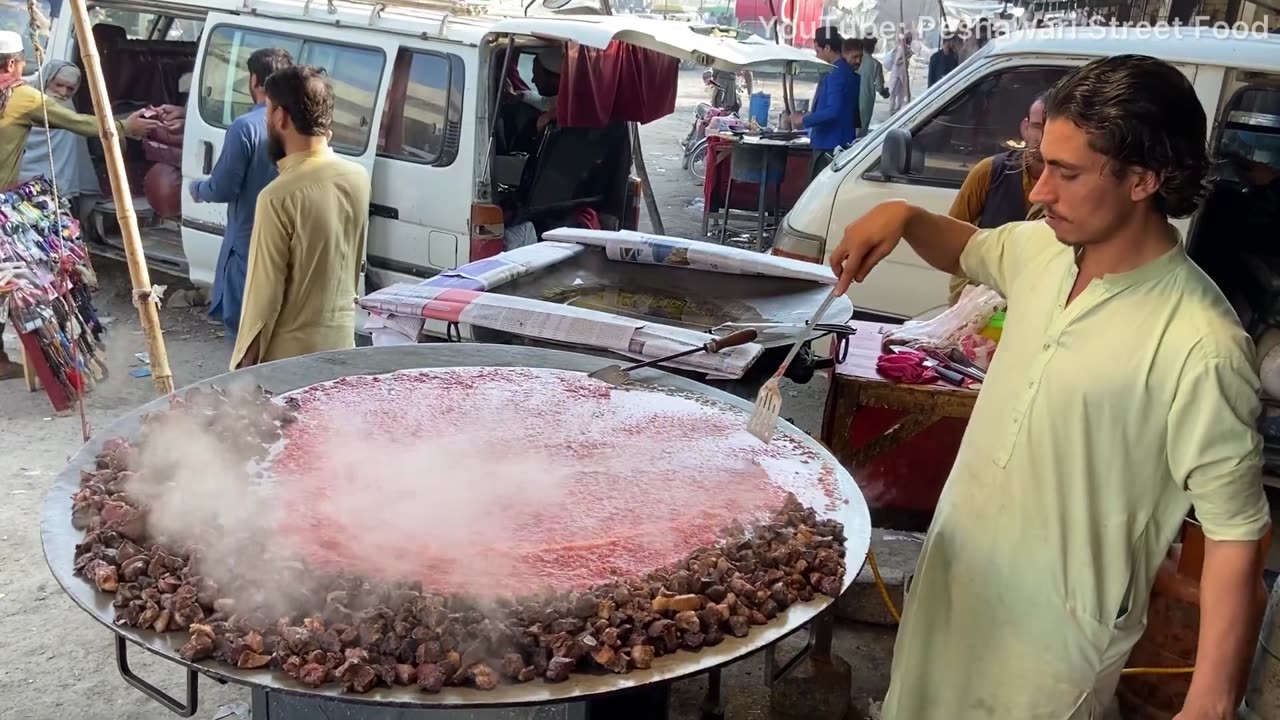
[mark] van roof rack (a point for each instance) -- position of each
(370, 13)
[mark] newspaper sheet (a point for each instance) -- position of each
(397, 305)
(521, 316)
(654, 341)
(638, 247)
(492, 272)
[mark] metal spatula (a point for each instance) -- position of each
(764, 418)
(618, 375)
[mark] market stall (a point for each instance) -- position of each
(752, 177)
(899, 441)
(895, 416)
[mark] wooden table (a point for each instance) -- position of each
(899, 441)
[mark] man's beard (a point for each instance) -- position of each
(275, 147)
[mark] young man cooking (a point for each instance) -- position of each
(1123, 394)
(996, 190)
(23, 107)
(308, 230)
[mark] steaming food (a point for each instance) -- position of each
(332, 602)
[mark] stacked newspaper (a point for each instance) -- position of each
(638, 247)
(399, 313)
(553, 322)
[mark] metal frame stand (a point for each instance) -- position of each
(818, 647)
(767, 152)
(650, 703)
(643, 704)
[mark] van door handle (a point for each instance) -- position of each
(208, 157)
(384, 211)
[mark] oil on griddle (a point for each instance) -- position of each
(312, 605)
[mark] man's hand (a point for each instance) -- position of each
(797, 121)
(1232, 601)
(867, 241)
(137, 126)
(546, 118)
(251, 354)
(509, 95)
(195, 197)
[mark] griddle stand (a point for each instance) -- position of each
(642, 694)
(648, 703)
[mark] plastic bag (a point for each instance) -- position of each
(946, 331)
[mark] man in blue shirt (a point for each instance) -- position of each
(945, 60)
(244, 168)
(833, 121)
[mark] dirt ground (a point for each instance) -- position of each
(58, 662)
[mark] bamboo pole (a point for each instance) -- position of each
(143, 298)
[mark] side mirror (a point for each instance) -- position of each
(895, 154)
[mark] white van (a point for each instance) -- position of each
(415, 86)
(924, 152)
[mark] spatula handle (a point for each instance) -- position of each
(804, 334)
(741, 337)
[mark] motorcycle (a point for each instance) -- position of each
(695, 143)
(725, 101)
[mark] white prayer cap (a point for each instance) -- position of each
(552, 58)
(11, 43)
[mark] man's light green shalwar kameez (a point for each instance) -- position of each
(1100, 424)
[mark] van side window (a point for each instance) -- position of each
(982, 121)
(137, 25)
(423, 115)
(356, 74)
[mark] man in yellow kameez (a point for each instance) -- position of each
(1123, 393)
(307, 247)
(23, 107)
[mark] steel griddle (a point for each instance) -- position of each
(59, 539)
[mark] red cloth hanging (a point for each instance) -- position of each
(513, 77)
(622, 83)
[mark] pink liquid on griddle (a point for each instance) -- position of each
(387, 476)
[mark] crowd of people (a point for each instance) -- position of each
(845, 97)
(289, 266)
(292, 252)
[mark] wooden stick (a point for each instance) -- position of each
(143, 298)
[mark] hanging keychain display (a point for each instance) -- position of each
(50, 304)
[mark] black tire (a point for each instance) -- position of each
(696, 161)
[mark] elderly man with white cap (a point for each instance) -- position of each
(23, 107)
(547, 65)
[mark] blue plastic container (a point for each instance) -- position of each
(760, 108)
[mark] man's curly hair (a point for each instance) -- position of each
(1141, 113)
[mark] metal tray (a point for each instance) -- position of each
(59, 539)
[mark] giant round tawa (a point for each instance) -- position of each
(499, 469)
